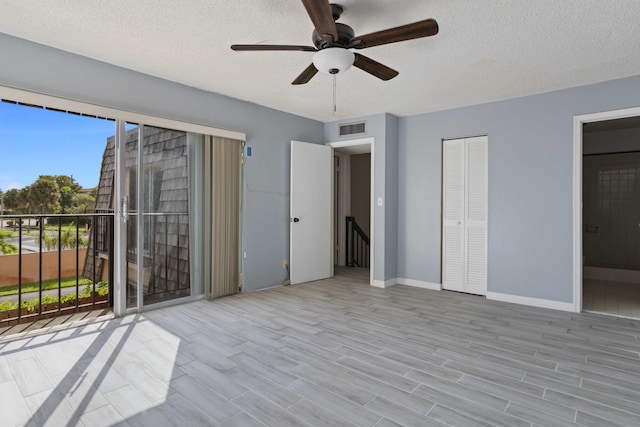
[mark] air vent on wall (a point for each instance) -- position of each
(352, 128)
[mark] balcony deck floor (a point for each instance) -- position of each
(38, 327)
(329, 353)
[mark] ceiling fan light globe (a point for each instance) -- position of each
(329, 60)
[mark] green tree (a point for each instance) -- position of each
(83, 203)
(66, 181)
(24, 195)
(68, 188)
(44, 195)
(13, 200)
(66, 199)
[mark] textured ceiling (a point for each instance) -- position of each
(485, 51)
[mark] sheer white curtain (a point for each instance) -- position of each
(222, 204)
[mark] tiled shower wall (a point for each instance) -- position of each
(611, 210)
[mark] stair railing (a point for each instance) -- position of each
(357, 245)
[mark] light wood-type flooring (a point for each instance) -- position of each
(335, 352)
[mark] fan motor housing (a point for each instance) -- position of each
(345, 34)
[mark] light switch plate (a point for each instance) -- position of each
(379, 201)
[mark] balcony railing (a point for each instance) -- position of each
(54, 264)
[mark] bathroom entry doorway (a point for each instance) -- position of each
(611, 217)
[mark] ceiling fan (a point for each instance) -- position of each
(333, 41)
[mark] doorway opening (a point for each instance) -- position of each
(611, 217)
(607, 213)
(353, 208)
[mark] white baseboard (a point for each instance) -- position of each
(496, 296)
(384, 284)
(419, 284)
(406, 282)
(534, 302)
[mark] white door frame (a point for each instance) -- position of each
(578, 121)
(344, 203)
(351, 143)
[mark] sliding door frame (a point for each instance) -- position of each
(121, 117)
(120, 224)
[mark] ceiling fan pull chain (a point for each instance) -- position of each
(335, 108)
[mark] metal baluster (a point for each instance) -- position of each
(78, 266)
(40, 269)
(93, 254)
(111, 258)
(19, 268)
(166, 254)
(59, 263)
(178, 286)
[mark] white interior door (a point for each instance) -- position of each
(476, 215)
(465, 215)
(311, 212)
(453, 215)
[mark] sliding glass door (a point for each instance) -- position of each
(175, 197)
(155, 214)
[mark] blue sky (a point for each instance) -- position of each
(37, 142)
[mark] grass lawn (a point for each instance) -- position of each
(4, 234)
(46, 285)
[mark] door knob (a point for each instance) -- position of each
(296, 219)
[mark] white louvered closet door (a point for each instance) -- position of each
(465, 257)
(453, 215)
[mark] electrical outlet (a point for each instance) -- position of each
(285, 264)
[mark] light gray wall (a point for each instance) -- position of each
(530, 166)
(391, 197)
(530, 185)
(612, 141)
(42, 69)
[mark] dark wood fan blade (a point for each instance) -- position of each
(249, 47)
(426, 28)
(306, 75)
(320, 13)
(374, 68)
